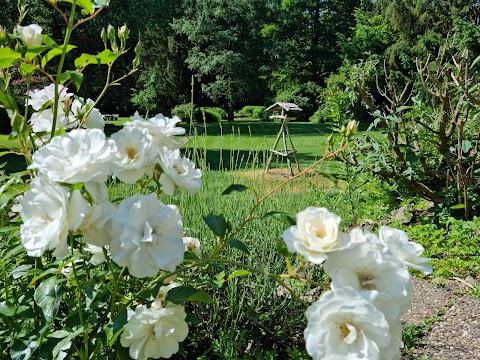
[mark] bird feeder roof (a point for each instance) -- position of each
(278, 106)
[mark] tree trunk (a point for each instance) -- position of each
(230, 112)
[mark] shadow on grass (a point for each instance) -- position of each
(13, 163)
(256, 128)
(221, 159)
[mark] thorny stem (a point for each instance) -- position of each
(60, 64)
(79, 301)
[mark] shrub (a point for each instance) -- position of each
(251, 111)
(183, 111)
(212, 114)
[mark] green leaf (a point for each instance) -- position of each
(57, 51)
(7, 101)
(85, 60)
(64, 345)
(181, 294)
(48, 41)
(458, 206)
(33, 51)
(235, 187)
(282, 248)
(48, 296)
(27, 68)
(192, 319)
(8, 57)
(217, 224)
(85, 4)
(237, 244)
(107, 57)
(330, 177)
(117, 326)
(477, 59)
(18, 312)
(23, 349)
(466, 146)
(77, 78)
(239, 273)
(282, 216)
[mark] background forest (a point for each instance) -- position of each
(405, 66)
(254, 52)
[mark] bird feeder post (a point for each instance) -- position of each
(285, 134)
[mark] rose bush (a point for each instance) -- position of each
(103, 266)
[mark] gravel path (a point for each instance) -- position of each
(457, 333)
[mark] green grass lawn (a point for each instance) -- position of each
(251, 312)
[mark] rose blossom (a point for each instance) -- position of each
(94, 119)
(43, 121)
(192, 245)
(155, 332)
(178, 171)
(342, 325)
(40, 97)
(315, 235)
(408, 251)
(98, 256)
(44, 214)
(135, 154)
(162, 129)
(377, 274)
(81, 155)
(31, 34)
(96, 227)
(146, 236)
(162, 294)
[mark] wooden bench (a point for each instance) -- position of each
(110, 117)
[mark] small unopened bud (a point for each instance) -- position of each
(3, 36)
(352, 128)
(138, 50)
(342, 130)
(123, 32)
(330, 140)
(104, 37)
(111, 33)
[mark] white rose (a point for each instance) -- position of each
(162, 129)
(377, 274)
(192, 245)
(98, 256)
(43, 121)
(134, 155)
(41, 97)
(94, 119)
(315, 235)
(178, 171)
(77, 209)
(44, 214)
(408, 251)
(155, 332)
(31, 34)
(81, 155)
(361, 236)
(146, 236)
(162, 294)
(96, 227)
(342, 325)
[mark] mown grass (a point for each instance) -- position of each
(251, 317)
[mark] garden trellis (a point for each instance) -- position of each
(280, 111)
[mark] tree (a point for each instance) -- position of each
(304, 46)
(226, 48)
